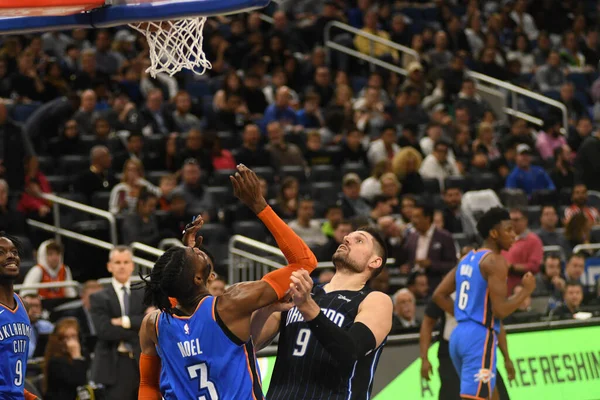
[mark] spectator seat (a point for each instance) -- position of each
(357, 168)
(100, 200)
(296, 171)
(58, 183)
(431, 185)
(73, 164)
(324, 173)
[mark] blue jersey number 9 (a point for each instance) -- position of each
(18, 381)
(463, 296)
(200, 371)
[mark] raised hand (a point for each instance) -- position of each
(300, 287)
(528, 282)
(246, 187)
(189, 234)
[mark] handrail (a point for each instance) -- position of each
(364, 57)
(589, 246)
(85, 239)
(56, 200)
(54, 285)
(251, 242)
(46, 285)
(169, 242)
(370, 36)
(514, 89)
(524, 92)
(145, 248)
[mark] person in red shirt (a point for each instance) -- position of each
(526, 254)
(579, 198)
(35, 184)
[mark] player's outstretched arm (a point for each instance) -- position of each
(236, 306)
(371, 325)
(265, 322)
(149, 360)
(495, 270)
(441, 294)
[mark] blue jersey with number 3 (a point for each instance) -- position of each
(202, 359)
(472, 301)
(15, 330)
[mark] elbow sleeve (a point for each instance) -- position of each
(345, 346)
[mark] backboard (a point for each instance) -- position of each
(23, 16)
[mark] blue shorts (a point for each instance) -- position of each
(473, 353)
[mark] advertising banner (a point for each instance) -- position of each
(556, 364)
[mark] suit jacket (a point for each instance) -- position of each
(442, 254)
(105, 306)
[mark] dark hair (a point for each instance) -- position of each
(441, 142)
(573, 283)
(54, 246)
(427, 209)
(14, 241)
(552, 255)
(171, 276)
(544, 206)
(577, 255)
(380, 198)
(520, 211)
(491, 219)
(412, 277)
(380, 247)
(452, 185)
(410, 127)
(389, 126)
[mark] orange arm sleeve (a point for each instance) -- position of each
(29, 396)
(149, 378)
(296, 252)
(173, 301)
(293, 247)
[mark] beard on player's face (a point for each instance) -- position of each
(343, 261)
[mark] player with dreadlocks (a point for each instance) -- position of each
(14, 323)
(201, 348)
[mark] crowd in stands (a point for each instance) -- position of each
(336, 142)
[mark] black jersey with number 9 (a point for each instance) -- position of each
(304, 370)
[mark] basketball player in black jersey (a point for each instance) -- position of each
(331, 338)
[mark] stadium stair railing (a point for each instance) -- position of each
(514, 90)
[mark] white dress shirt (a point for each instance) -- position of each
(423, 244)
(125, 321)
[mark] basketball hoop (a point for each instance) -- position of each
(174, 37)
(175, 45)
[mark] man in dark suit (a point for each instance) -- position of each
(117, 312)
(427, 247)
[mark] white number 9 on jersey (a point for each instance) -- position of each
(463, 296)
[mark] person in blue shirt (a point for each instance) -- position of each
(529, 178)
(480, 284)
(280, 110)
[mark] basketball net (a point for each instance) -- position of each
(175, 45)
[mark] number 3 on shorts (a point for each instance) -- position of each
(463, 296)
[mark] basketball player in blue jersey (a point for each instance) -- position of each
(480, 283)
(15, 327)
(201, 348)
